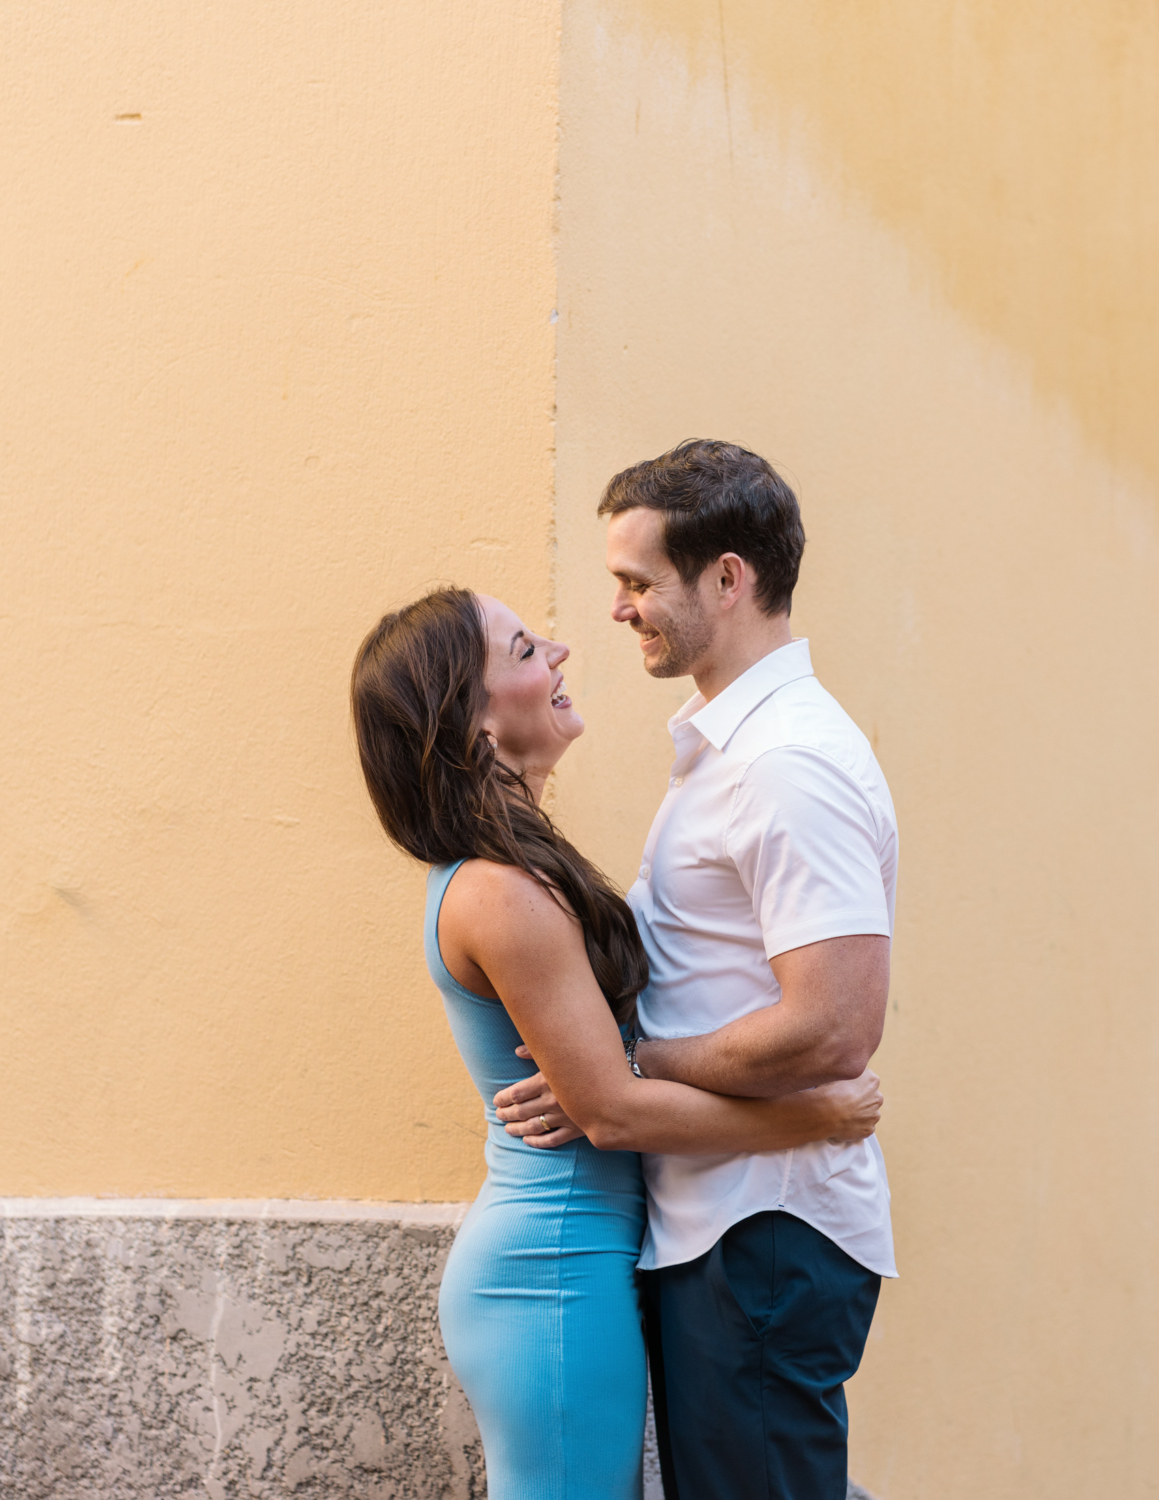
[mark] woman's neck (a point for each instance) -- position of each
(534, 778)
(535, 782)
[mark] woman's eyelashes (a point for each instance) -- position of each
(529, 652)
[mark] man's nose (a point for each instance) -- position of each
(622, 607)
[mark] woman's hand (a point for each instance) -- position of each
(527, 1104)
(856, 1105)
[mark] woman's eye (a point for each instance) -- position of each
(529, 652)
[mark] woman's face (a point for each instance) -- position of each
(529, 712)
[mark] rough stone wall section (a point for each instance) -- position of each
(229, 1350)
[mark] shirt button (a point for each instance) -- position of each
(645, 871)
(679, 781)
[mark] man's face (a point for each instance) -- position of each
(671, 620)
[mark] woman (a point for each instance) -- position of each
(461, 713)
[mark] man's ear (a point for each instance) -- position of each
(730, 574)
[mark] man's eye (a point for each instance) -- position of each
(529, 652)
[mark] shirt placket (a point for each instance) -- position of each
(689, 743)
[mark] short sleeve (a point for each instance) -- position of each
(807, 845)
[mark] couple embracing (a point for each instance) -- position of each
(680, 1112)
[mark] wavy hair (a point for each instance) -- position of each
(441, 792)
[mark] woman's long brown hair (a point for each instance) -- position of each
(443, 795)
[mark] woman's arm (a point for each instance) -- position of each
(500, 925)
(845, 1111)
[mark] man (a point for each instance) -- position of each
(765, 903)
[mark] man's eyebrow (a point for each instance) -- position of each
(514, 638)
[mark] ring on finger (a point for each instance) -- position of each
(543, 1122)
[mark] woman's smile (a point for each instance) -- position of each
(529, 709)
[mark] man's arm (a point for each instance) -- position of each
(531, 952)
(846, 1111)
(826, 1026)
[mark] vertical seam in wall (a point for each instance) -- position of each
(552, 527)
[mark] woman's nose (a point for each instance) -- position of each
(557, 652)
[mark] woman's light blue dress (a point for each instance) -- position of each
(538, 1306)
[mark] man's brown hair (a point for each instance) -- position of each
(717, 497)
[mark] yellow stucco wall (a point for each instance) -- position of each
(280, 352)
(907, 251)
(278, 284)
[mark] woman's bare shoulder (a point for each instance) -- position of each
(486, 897)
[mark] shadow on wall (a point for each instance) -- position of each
(1012, 154)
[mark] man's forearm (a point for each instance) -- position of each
(825, 1027)
(733, 1061)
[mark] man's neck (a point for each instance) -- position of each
(731, 658)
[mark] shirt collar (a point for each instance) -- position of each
(719, 720)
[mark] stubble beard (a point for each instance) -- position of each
(686, 637)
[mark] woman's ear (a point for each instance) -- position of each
(486, 726)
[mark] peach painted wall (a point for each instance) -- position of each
(280, 351)
(278, 285)
(907, 251)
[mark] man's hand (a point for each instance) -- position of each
(525, 1105)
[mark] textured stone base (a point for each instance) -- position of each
(155, 1349)
(230, 1356)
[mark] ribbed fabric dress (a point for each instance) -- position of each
(538, 1307)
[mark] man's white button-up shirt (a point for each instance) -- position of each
(777, 830)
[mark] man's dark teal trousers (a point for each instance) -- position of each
(750, 1346)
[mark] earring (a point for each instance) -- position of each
(493, 742)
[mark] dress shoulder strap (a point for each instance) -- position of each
(437, 882)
